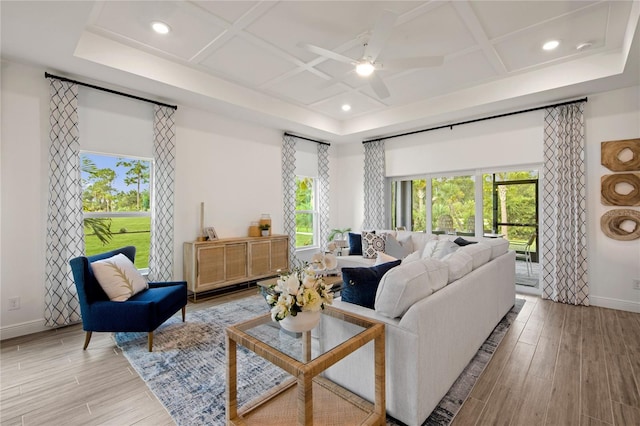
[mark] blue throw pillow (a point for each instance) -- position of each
(359, 285)
(355, 244)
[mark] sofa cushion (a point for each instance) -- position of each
(459, 263)
(403, 286)
(383, 257)
(371, 244)
(499, 246)
(355, 244)
(438, 249)
(359, 285)
(398, 248)
(118, 277)
(419, 239)
(481, 253)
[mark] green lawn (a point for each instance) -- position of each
(137, 234)
(304, 239)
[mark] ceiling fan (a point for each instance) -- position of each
(367, 65)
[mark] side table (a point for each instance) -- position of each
(307, 397)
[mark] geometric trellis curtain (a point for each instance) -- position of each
(564, 233)
(164, 156)
(323, 193)
(374, 169)
(65, 236)
(289, 193)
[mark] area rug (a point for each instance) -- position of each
(186, 370)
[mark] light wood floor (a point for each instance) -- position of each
(557, 365)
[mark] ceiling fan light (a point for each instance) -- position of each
(364, 69)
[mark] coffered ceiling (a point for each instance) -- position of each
(244, 58)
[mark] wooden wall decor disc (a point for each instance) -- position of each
(610, 224)
(610, 151)
(612, 198)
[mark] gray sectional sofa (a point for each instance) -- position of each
(437, 312)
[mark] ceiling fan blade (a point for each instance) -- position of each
(379, 87)
(380, 35)
(412, 63)
(328, 83)
(326, 53)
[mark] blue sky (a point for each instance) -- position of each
(109, 162)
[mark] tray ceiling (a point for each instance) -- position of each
(243, 58)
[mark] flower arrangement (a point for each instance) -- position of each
(302, 289)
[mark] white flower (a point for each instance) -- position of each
(289, 285)
(311, 300)
(330, 261)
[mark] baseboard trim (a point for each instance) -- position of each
(22, 329)
(621, 305)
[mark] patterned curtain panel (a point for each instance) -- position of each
(564, 277)
(65, 237)
(289, 193)
(323, 193)
(164, 155)
(374, 169)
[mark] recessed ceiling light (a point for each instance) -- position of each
(346, 107)
(364, 69)
(550, 45)
(160, 27)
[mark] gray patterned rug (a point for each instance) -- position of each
(186, 369)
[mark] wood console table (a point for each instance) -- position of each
(210, 265)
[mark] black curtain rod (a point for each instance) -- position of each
(104, 89)
(306, 139)
(450, 126)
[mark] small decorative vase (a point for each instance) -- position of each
(303, 321)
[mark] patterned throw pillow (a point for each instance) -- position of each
(371, 245)
(118, 277)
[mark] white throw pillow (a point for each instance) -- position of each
(118, 277)
(438, 249)
(481, 253)
(416, 255)
(397, 248)
(383, 258)
(460, 264)
(406, 284)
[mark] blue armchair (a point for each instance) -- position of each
(144, 311)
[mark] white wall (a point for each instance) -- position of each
(231, 166)
(517, 140)
(612, 264)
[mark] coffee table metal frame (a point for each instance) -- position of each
(305, 372)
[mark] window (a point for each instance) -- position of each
(306, 213)
(116, 204)
(453, 205)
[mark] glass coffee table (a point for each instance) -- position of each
(307, 397)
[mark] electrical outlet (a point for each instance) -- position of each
(636, 284)
(14, 303)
